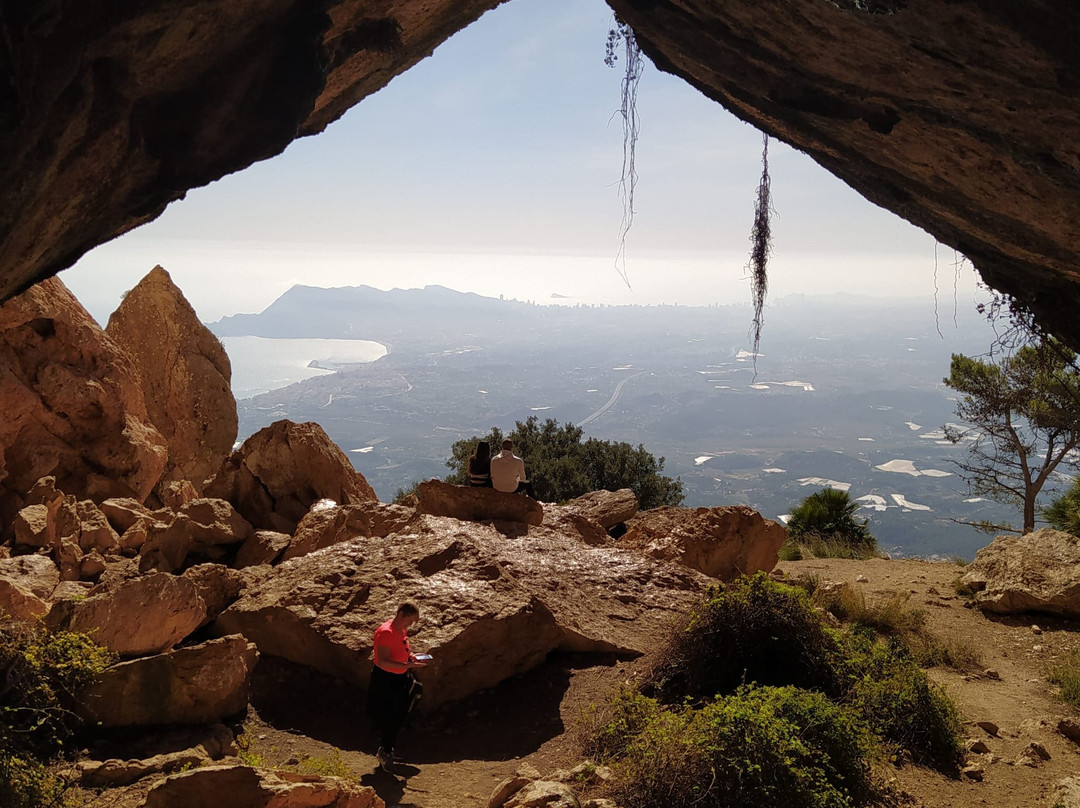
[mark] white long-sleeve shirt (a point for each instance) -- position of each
(507, 470)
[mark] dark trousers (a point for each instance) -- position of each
(526, 489)
(389, 700)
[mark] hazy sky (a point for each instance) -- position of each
(493, 167)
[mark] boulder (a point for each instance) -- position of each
(95, 532)
(185, 375)
(20, 603)
(145, 615)
(240, 786)
(36, 574)
(201, 525)
(71, 590)
(72, 402)
(328, 523)
(1032, 573)
(68, 557)
(194, 685)
(508, 598)
(1066, 794)
(262, 547)
(281, 470)
(34, 527)
(606, 508)
(175, 494)
(720, 542)
(217, 585)
(544, 794)
(123, 512)
(477, 504)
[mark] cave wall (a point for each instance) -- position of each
(959, 116)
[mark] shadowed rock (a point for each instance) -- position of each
(477, 504)
(328, 523)
(281, 470)
(244, 787)
(606, 508)
(1032, 573)
(194, 685)
(720, 542)
(185, 376)
(72, 402)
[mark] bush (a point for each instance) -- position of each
(824, 525)
(41, 675)
(1066, 675)
(752, 630)
(1064, 512)
(760, 746)
(561, 466)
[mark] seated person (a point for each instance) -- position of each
(480, 466)
(508, 472)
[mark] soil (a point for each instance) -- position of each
(455, 757)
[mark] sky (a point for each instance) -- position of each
(493, 167)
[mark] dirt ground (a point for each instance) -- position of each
(455, 757)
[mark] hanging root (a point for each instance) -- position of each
(761, 247)
(634, 64)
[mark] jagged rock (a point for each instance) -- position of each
(544, 794)
(115, 773)
(193, 685)
(34, 573)
(95, 532)
(477, 504)
(1031, 573)
(118, 569)
(123, 512)
(71, 590)
(569, 523)
(281, 470)
(1066, 794)
(244, 787)
(585, 773)
(508, 598)
(262, 547)
(72, 404)
(33, 527)
(720, 542)
(1069, 727)
(91, 566)
(68, 557)
(185, 375)
(144, 615)
(599, 802)
(606, 508)
(217, 585)
(18, 601)
(202, 524)
(328, 523)
(175, 494)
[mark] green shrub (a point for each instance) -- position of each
(824, 525)
(1064, 512)
(1066, 675)
(900, 704)
(761, 746)
(752, 630)
(41, 675)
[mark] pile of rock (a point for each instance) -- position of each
(527, 788)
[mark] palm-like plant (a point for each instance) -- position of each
(1064, 512)
(828, 517)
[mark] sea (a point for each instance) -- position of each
(260, 365)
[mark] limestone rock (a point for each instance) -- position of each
(175, 494)
(720, 542)
(1066, 794)
(144, 615)
(507, 597)
(544, 794)
(123, 512)
(185, 375)
(34, 573)
(71, 590)
(281, 470)
(114, 773)
(332, 523)
(570, 523)
(202, 524)
(33, 527)
(217, 585)
(244, 787)
(477, 504)
(1031, 573)
(193, 685)
(73, 406)
(606, 508)
(262, 547)
(95, 532)
(20, 603)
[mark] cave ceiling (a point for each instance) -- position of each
(961, 117)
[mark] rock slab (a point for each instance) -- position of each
(1039, 572)
(476, 504)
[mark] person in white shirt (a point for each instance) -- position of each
(508, 472)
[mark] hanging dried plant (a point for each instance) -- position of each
(621, 37)
(761, 247)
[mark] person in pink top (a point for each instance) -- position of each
(393, 688)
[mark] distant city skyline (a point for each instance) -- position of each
(493, 167)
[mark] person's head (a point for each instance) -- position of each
(407, 614)
(508, 445)
(483, 452)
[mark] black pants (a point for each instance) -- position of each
(390, 697)
(526, 489)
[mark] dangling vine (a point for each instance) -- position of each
(621, 37)
(761, 246)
